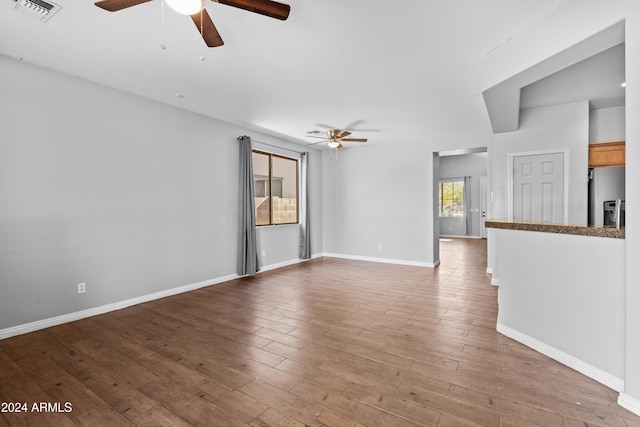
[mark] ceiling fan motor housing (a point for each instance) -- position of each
(333, 134)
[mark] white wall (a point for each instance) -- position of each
(377, 195)
(473, 165)
(606, 125)
(560, 127)
(130, 196)
(569, 303)
(631, 397)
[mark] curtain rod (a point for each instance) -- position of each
(276, 146)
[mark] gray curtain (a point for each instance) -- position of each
(305, 240)
(467, 205)
(248, 249)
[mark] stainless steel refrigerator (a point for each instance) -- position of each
(605, 184)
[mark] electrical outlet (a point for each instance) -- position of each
(81, 288)
(264, 253)
(380, 246)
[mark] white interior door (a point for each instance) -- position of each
(538, 188)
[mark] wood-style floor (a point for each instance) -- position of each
(327, 342)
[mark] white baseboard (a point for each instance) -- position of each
(495, 281)
(383, 260)
(280, 265)
(629, 403)
(83, 314)
(489, 270)
(462, 236)
(566, 359)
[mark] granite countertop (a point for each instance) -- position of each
(578, 230)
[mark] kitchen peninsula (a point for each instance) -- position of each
(562, 292)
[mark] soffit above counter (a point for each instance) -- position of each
(504, 100)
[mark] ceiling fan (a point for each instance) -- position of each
(199, 15)
(334, 138)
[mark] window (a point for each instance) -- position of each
(452, 197)
(275, 183)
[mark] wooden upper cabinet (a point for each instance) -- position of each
(607, 154)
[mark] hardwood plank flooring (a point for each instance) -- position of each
(329, 342)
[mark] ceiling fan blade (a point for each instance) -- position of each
(342, 134)
(264, 7)
(206, 27)
(354, 139)
(115, 5)
(340, 146)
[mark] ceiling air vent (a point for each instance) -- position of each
(34, 9)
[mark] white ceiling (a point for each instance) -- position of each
(388, 71)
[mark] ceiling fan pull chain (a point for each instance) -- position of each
(202, 30)
(162, 36)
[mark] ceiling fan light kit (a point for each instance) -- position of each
(334, 138)
(186, 7)
(196, 9)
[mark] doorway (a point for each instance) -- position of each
(465, 165)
